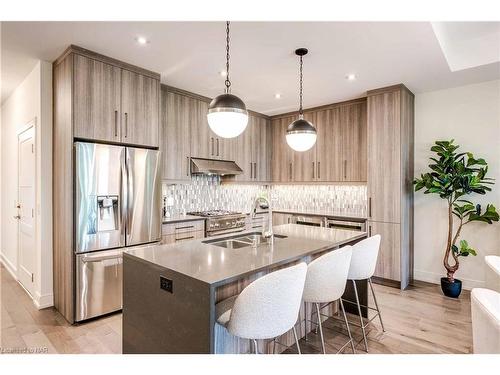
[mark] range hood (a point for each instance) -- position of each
(212, 166)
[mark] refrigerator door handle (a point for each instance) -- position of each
(124, 190)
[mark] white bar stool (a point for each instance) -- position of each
(363, 263)
(493, 272)
(325, 283)
(485, 309)
(266, 308)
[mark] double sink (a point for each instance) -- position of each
(243, 240)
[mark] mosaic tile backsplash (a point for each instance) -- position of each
(207, 193)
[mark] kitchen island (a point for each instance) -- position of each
(170, 291)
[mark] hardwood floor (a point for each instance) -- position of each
(417, 320)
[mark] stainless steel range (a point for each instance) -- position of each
(221, 222)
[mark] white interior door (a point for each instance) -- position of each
(26, 209)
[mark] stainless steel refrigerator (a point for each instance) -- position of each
(118, 204)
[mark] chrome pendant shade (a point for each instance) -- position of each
(301, 134)
(227, 114)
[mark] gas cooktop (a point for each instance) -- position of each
(213, 213)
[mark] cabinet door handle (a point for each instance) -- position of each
(116, 123)
(217, 140)
(251, 171)
(313, 170)
(212, 146)
(369, 231)
(126, 124)
(187, 165)
(290, 171)
(183, 238)
(319, 175)
(345, 169)
(255, 170)
(370, 207)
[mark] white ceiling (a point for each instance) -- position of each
(190, 55)
(468, 44)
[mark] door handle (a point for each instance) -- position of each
(319, 170)
(255, 170)
(251, 171)
(370, 207)
(369, 231)
(116, 123)
(212, 146)
(313, 170)
(126, 124)
(217, 140)
(345, 169)
(290, 172)
(187, 165)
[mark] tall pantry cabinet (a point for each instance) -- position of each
(96, 99)
(390, 174)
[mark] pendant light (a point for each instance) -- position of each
(301, 134)
(227, 114)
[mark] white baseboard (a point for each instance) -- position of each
(43, 301)
(435, 278)
(9, 266)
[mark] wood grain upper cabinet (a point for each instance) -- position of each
(252, 150)
(353, 128)
(176, 115)
(263, 150)
(328, 145)
(384, 157)
(96, 100)
(140, 108)
(282, 158)
(304, 162)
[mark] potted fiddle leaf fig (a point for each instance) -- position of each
(455, 176)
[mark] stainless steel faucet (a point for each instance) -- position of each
(263, 203)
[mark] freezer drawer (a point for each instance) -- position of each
(98, 283)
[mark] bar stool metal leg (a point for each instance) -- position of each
(376, 304)
(296, 339)
(320, 329)
(360, 315)
(255, 346)
(305, 321)
(347, 325)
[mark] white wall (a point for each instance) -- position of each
(470, 115)
(32, 99)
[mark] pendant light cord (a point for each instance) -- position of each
(300, 90)
(227, 82)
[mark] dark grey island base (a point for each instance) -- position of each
(170, 291)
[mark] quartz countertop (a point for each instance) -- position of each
(330, 214)
(216, 265)
(181, 218)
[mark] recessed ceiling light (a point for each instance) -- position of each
(350, 77)
(223, 73)
(277, 95)
(142, 40)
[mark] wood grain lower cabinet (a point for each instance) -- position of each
(182, 231)
(280, 218)
(96, 100)
(140, 108)
(389, 258)
(176, 238)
